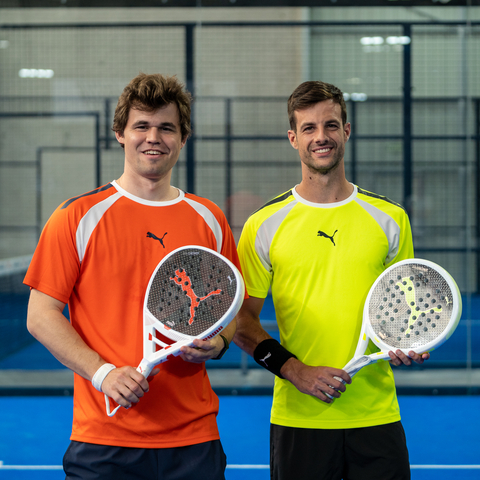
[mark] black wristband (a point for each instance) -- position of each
(271, 355)
(224, 349)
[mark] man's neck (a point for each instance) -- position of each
(151, 190)
(324, 188)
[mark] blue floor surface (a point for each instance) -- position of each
(440, 431)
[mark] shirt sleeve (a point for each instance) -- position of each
(55, 265)
(405, 247)
(257, 278)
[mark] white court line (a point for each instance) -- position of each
(244, 467)
(446, 467)
(422, 467)
(30, 467)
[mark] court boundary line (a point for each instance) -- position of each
(243, 467)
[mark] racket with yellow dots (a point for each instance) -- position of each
(414, 305)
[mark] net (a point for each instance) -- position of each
(13, 305)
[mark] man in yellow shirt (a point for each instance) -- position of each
(319, 247)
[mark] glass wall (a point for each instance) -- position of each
(409, 77)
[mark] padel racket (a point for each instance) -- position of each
(414, 305)
(194, 292)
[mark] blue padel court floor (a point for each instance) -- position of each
(442, 433)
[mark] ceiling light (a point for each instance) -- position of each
(399, 40)
(372, 40)
(35, 73)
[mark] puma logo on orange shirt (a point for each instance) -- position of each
(152, 235)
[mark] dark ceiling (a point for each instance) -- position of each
(232, 3)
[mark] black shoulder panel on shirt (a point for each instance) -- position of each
(93, 192)
(380, 197)
(275, 200)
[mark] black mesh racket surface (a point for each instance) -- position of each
(191, 291)
(410, 306)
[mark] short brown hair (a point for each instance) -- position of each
(310, 93)
(149, 93)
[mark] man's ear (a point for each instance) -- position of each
(120, 138)
(347, 131)
(292, 136)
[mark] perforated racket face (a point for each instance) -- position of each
(411, 306)
(191, 291)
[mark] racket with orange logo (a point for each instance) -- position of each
(193, 293)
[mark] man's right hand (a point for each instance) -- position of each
(126, 386)
(315, 381)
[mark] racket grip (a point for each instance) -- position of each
(145, 368)
(340, 380)
(353, 367)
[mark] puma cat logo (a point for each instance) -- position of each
(264, 360)
(152, 235)
(323, 234)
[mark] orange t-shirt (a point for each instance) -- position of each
(97, 253)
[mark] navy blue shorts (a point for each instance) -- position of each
(87, 461)
(370, 453)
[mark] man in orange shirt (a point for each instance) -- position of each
(96, 253)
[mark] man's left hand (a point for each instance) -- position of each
(399, 358)
(203, 350)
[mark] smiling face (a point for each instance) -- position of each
(152, 142)
(320, 137)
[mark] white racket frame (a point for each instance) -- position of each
(153, 357)
(367, 333)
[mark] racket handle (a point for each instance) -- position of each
(352, 367)
(145, 368)
(356, 364)
(340, 380)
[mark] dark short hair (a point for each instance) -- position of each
(149, 93)
(310, 93)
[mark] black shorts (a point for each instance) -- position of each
(87, 461)
(370, 453)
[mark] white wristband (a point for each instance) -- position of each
(100, 375)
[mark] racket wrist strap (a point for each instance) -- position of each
(270, 355)
(100, 375)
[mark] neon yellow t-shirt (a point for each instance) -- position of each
(320, 260)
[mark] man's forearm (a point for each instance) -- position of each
(46, 322)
